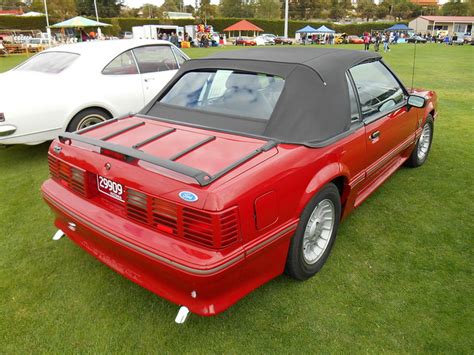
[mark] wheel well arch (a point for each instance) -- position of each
(335, 174)
(96, 107)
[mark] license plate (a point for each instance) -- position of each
(110, 188)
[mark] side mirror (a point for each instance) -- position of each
(416, 101)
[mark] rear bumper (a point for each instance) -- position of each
(206, 281)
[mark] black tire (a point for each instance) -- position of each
(87, 117)
(296, 265)
(416, 159)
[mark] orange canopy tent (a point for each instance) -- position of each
(243, 25)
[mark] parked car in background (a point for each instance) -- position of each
(458, 39)
(74, 86)
(416, 39)
(35, 43)
(340, 38)
(269, 38)
(245, 41)
(283, 40)
(231, 176)
(354, 40)
(127, 35)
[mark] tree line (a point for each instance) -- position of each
(263, 9)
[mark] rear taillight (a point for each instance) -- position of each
(69, 176)
(211, 229)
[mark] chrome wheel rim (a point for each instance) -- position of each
(90, 120)
(424, 143)
(318, 231)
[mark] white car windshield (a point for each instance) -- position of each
(49, 62)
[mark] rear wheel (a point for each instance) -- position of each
(423, 146)
(315, 235)
(86, 118)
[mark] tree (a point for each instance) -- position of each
(151, 11)
(59, 9)
(268, 9)
(237, 8)
(128, 12)
(206, 11)
(189, 9)
(307, 9)
(367, 9)
(170, 5)
(338, 9)
(105, 8)
(402, 9)
(455, 8)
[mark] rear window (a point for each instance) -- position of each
(49, 62)
(229, 92)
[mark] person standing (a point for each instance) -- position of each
(377, 41)
(366, 41)
(174, 39)
(386, 42)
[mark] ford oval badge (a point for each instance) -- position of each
(188, 196)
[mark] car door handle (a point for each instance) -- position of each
(375, 136)
(149, 79)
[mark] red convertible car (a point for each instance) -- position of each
(241, 168)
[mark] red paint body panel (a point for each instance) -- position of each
(267, 194)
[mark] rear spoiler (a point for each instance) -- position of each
(133, 153)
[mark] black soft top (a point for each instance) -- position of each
(313, 108)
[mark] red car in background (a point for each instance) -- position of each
(245, 41)
(240, 169)
(283, 40)
(354, 40)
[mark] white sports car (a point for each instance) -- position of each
(74, 86)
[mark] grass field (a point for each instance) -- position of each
(400, 277)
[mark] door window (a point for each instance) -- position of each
(124, 64)
(379, 91)
(153, 59)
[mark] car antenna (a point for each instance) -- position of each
(414, 54)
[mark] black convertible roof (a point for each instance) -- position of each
(313, 108)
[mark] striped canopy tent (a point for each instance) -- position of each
(79, 22)
(243, 25)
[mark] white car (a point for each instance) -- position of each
(37, 43)
(74, 86)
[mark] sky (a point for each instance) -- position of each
(138, 3)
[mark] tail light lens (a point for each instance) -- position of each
(211, 229)
(69, 176)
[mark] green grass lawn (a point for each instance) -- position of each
(400, 277)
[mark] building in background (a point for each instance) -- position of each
(178, 15)
(443, 24)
